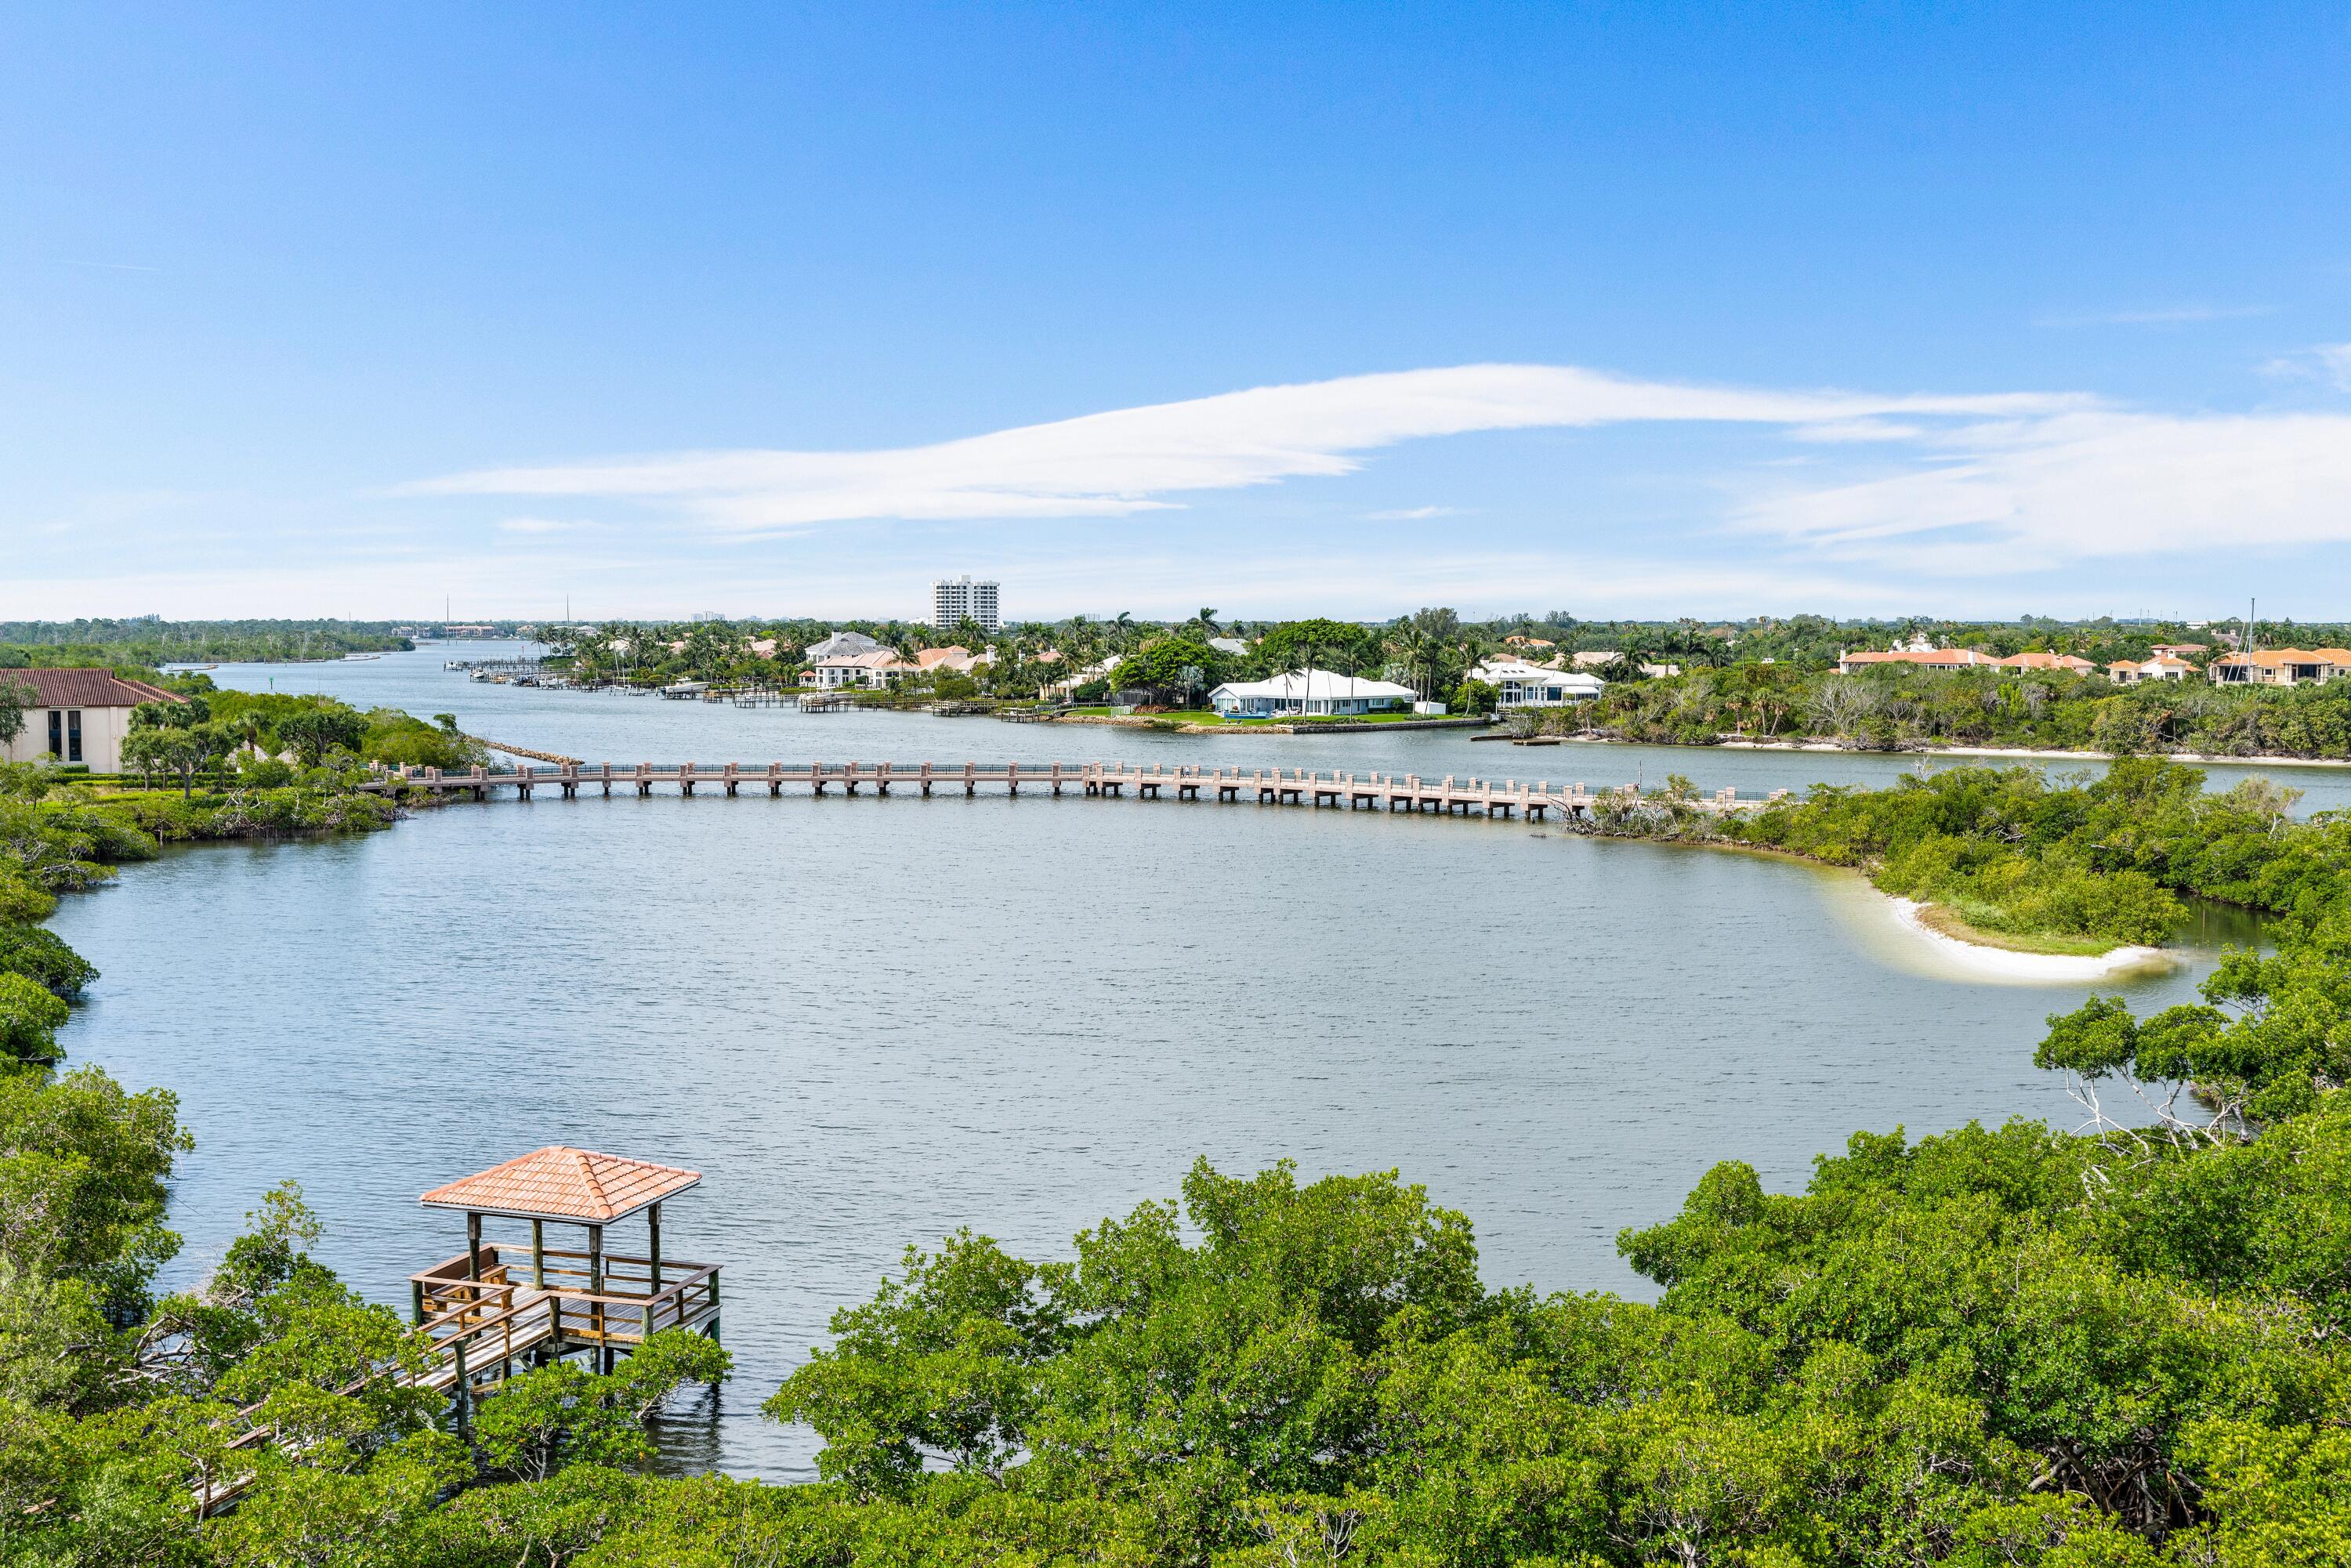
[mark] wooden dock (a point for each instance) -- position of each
(481, 1333)
(482, 1317)
(1449, 795)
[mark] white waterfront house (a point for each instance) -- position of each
(868, 671)
(1302, 692)
(1523, 685)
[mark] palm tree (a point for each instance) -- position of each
(1206, 621)
(1080, 647)
(248, 728)
(1405, 644)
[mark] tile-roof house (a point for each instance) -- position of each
(2043, 661)
(2130, 672)
(77, 716)
(1923, 658)
(2279, 667)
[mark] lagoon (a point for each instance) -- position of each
(869, 1021)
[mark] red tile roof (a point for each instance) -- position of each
(576, 1185)
(85, 688)
(2275, 656)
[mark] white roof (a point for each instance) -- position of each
(1496, 671)
(1292, 685)
(842, 643)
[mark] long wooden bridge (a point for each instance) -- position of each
(1450, 794)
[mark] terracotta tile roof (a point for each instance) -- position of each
(2274, 656)
(85, 688)
(2043, 661)
(558, 1183)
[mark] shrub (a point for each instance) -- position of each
(38, 956)
(30, 1017)
(22, 900)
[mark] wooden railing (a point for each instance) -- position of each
(627, 1306)
(1450, 793)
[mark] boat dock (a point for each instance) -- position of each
(490, 1312)
(1449, 795)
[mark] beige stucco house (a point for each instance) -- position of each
(77, 716)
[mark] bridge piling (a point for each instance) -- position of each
(1452, 795)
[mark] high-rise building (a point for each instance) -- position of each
(952, 598)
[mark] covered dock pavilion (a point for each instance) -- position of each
(503, 1303)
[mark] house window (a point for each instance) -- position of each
(57, 733)
(73, 735)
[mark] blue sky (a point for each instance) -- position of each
(1620, 309)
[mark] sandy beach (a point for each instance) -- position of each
(2024, 968)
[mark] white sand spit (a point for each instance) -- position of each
(2027, 968)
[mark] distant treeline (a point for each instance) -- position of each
(147, 642)
(717, 648)
(1431, 650)
(1895, 707)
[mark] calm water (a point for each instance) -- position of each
(871, 1022)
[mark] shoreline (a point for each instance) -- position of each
(1147, 721)
(2022, 753)
(1966, 960)
(2030, 969)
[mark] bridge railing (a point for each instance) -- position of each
(1449, 789)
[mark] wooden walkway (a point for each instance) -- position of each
(1452, 795)
(479, 1333)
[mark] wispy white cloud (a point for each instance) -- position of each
(1410, 513)
(2326, 361)
(1836, 430)
(1973, 484)
(2161, 316)
(1135, 460)
(2017, 495)
(539, 525)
